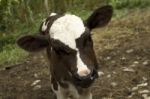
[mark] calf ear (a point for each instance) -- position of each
(33, 43)
(100, 17)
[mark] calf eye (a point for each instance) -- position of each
(61, 48)
(64, 50)
(84, 41)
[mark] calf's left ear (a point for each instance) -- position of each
(100, 17)
(32, 43)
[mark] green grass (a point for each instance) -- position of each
(11, 54)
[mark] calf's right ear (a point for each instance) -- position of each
(32, 43)
(100, 17)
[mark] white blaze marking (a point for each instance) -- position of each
(82, 68)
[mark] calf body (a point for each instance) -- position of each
(69, 45)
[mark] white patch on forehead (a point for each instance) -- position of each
(67, 29)
(82, 68)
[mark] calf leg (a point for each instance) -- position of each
(87, 96)
(67, 93)
(59, 93)
(71, 92)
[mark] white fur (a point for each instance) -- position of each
(44, 26)
(53, 14)
(67, 29)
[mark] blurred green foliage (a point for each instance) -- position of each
(25, 13)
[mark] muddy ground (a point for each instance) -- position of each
(123, 53)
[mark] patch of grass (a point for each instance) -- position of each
(11, 54)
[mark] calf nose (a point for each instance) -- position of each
(83, 72)
(85, 81)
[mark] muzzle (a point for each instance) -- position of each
(85, 81)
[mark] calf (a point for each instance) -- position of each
(67, 39)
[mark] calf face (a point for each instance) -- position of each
(69, 44)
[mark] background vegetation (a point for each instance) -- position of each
(18, 17)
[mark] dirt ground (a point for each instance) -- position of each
(123, 53)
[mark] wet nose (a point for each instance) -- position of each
(83, 72)
(86, 75)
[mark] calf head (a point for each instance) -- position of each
(69, 44)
